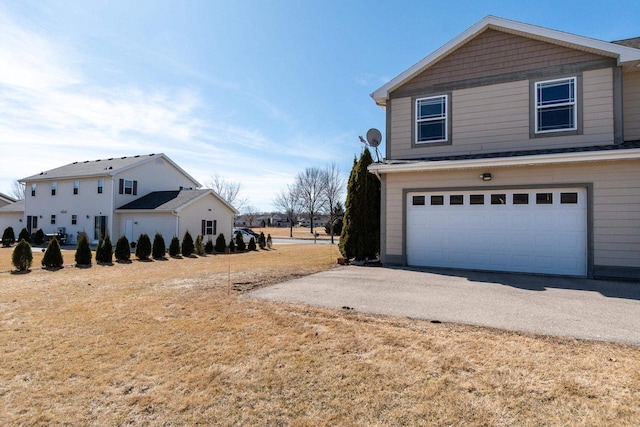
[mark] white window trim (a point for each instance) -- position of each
(432, 119)
(130, 187)
(561, 104)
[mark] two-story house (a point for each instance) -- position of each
(121, 196)
(514, 148)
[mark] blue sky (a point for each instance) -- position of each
(254, 91)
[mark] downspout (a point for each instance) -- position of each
(113, 207)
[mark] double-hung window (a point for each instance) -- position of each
(54, 187)
(76, 187)
(100, 185)
(431, 119)
(556, 105)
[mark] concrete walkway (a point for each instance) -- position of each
(561, 306)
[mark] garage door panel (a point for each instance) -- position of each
(532, 237)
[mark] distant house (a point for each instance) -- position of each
(120, 196)
(6, 200)
(514, 148)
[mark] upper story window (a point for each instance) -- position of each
(127, 186)
(556, 106)
(76, 187)
(431, 119)
(33, 190)
(54, 187)
(100, 185)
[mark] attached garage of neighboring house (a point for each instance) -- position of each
(541, 230)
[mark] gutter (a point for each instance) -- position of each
(540, 159)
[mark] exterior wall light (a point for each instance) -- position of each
(485, 176)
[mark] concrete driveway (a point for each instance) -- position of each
(561, 306)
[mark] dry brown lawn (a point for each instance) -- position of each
(174, 343)
(298, 232)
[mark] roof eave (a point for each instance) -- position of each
(535, 160)
(623, 54)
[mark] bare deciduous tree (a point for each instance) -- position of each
(228, 190)
(333, 190)
(17, 190)
(311, 192)
(251, 213)
(288, 202)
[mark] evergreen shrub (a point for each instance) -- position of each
(143, 247)
(53, 255)
(159, 249)
(22, 256)
(123, 252)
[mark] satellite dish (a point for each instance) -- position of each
(374, 137)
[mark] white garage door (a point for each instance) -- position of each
(535, 231)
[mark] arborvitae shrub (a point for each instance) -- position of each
(106, 254)
(269, 241)
(252, 244)
(262, 242)
(198, 246)
(187, 244)
(83, 251)
(8, 237)
(208, 247)
(25, 235)
(22, 256)
(99, 249)
(143, 248)
(221, 243)
(240, 245)
(174, 247)
(123, 252)
(159, 249)
(53, 256)
(232, 246)
(39, 237)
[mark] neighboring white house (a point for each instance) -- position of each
(6, 200)
(119, 196)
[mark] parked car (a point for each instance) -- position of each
(246, 235)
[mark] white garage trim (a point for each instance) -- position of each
(533, 230)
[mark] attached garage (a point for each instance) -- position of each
(540, 230)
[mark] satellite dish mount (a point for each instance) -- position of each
(374, 138)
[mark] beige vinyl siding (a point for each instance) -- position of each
(616, 201)
(493, 53)
(496, 118)
(631, 105)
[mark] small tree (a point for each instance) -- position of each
(83, 251)
(269, 241)
(8, 237)
(221, 243)
(123, 251)
(53, 256)
(208, 247)
(252, 244)
(106, 253)
(232, 246)
(240, 245)
(39, 237)
(22, 256)
(99, 249)
(198, 246)
(187, 244)
(143, 247)
(262, 242)
(24, 235)
(174, 247)
(159, 248)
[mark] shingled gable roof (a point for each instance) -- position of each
(102, 167)
(13, 207)
(625, 55)
(169, 201)
(6, 198)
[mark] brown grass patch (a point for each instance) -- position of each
(171, 343)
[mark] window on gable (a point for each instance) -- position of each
(76, 187)
(54, 187)
(208, 227)
(100, 185)
(556, 106)
(431, 119)
(33, 190)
